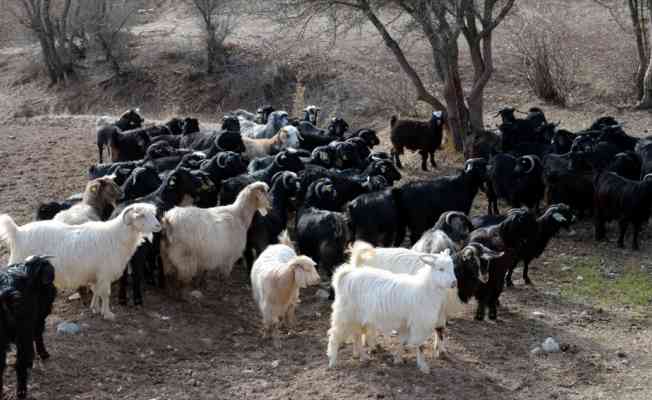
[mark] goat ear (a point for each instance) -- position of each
(467, 254)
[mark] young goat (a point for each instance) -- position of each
(369, 298)
(26, 296)
(276, 277)
(100, 196)
(92, 254)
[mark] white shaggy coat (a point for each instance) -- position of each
(92, 254)
(435, 241)
(276, 278)
(368, 298)
(405, 261)
(205, 239)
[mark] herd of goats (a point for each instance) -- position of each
(177, 202)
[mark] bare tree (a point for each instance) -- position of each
(440, 23)
(106, 21)
(48, 21)
(217, 20)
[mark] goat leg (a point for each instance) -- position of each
(424, 160)
(40, 347)
(599, 225)
(122, 291)
(24, 363)
(637, 229)
(3, 366)
(432, 160)
(526, 278)
(508, 278)
(622, 225)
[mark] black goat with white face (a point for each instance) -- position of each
(26, 295)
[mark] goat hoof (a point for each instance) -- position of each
(122, 302)
(479, 317)
(44, 355)
(509, 283)
(138, 302)
(528, 281)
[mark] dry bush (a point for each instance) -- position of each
(547, 61)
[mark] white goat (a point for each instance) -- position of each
(98, 195)
(203, 239)
(368, 298)
(287, 137)
(92, 254)
(276, 277)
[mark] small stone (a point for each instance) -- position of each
(74, 296)
(621, 354)
(535, 351)
(538, 314)
(68, 328)
(12, 137)
(566, 268)
(247, 371)
(196, 294)
(276, 363)
(550, 345)
(580, 278)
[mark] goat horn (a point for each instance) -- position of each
(220, 160)
(646, 175)
(449, 215)
(284, 181)
(531, 160)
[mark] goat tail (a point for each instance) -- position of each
(284, 238)
(8, 229)
(305, 273)
(392, 121)
(361, 252)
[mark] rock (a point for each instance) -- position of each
(621, 354)
(197, 295)
(538, 314)
(74, 296)
(580, 278)
(566, 268)
(68, 328)
(535, 351)
(550, 345)
(322, 294)
(276, 363)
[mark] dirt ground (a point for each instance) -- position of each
(212, 350)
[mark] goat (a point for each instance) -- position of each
(287, 137)
(370, 298)
(130, 119)
(92, 254)
(276, 278)
(203, 239)
(26, 295)
(100, 196)
(275, 122)
(422, 136)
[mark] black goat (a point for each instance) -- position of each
(517, 180)
(322, 234)
(625, 200)
(420, 203)
(422, 136)
(26, 295)
(374, 218)
(130, 119)
(507, 237)
(644, 150)
(129, 145)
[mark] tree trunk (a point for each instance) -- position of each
(457, 113)
(211, 47)
(646, 99)
(636, 9)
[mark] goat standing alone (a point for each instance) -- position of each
(422, 136)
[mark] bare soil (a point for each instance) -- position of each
(213, 350)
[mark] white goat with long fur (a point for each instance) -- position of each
(287, 137)
(92, 254)
(276, 278)
(400, 260)
(196, 240)
(99, 194)
(368, 298)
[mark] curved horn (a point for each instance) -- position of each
(448, 217)
(126, 212)
(532, 163)
(220, 160)
(285, 180)
(646, 175)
